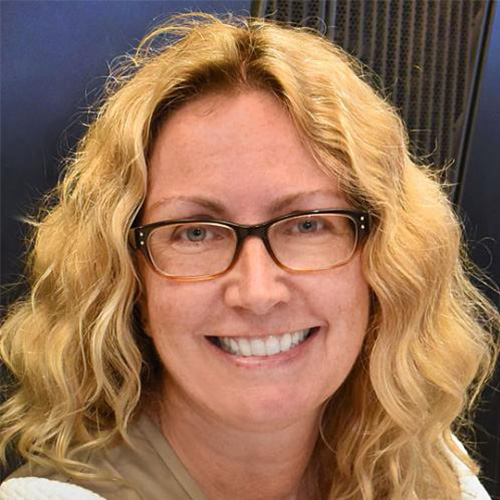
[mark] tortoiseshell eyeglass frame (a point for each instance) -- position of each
(139, 238)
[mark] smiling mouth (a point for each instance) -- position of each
(262, 346)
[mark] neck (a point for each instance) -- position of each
(228, 462)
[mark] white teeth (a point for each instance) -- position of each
(258, 347)
(245, 346)
(272, 345)
(286, 342)
(234, 345)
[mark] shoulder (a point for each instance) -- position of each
(33, 481)
(470, 486)
(143, 468)
(28, 488)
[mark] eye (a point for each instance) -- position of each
(195, 233)
(305, 226)
(198, 233)
(318, 226)
(309, 225)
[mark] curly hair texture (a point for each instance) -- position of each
(74, 345)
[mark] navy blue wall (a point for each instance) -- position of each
(53, 54)
(481, 183)
(480, 206)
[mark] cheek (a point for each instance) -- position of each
(346, 305)
(355, 307)
(166, 313)
(345, 298)
(173, 310)
(354, 313)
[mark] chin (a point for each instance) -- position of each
(272, 411)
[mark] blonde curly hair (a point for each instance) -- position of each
(74, 344)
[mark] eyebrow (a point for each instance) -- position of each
(275, 207)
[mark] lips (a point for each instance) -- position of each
(262, 346)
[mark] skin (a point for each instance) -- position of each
(246, 429)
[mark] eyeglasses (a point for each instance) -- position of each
(199, 249)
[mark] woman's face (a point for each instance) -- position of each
(242, 152)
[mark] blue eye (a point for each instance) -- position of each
(196, 233)
(307, 226)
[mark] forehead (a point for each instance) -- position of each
(242, 149)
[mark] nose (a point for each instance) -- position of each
(253, 282)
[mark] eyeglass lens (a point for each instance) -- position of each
(302, 243)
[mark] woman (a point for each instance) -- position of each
(246, 289)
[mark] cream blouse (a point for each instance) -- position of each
(151, 471)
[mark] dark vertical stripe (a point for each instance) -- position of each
(421, 62)
(384, 37)
(407, 76)
(438, 104)
(373, 34)
(432, 48)
(361, 28)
